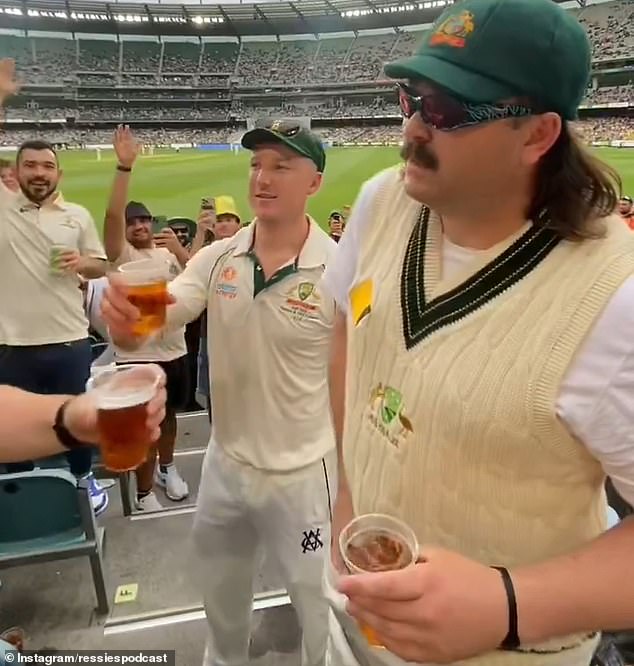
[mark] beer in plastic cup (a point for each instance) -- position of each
(55, 257)
(121, 396)
(146, 280)
(374, 543)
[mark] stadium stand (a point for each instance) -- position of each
(609, 27)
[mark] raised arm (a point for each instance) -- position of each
(127, 150)
(8, 86)
(204, 227)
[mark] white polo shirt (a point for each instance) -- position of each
(38, 308)
(269, 358)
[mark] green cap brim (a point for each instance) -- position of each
(256, 137)
(466, 84)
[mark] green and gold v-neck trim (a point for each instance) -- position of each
(423, 314)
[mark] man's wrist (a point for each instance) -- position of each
(63, 426)
(511, 639)
(546, 600)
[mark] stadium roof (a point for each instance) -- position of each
(204, 19)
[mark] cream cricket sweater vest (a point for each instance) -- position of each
(450, 415)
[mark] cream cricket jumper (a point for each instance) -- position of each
(450, 415)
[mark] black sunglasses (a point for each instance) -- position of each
(284, 128)
(447, 113)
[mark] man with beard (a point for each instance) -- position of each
(184, 230)
(46, 244)
(269, 469)
(483, 362)
(128, 237)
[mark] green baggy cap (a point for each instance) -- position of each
(295, 136)
(492, 50)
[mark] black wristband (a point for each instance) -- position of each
(125, 169)
(512, 640)
(64, 436)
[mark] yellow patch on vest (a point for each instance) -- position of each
(361, 297)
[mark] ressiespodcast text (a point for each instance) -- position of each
(166, 657)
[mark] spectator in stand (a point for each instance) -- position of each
(47, 245)
(626, 210)
(223, 221)
(7, 176)
(128, 237)
(336, 225)
(184, 229)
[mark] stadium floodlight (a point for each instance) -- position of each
(14, 11)
(198, 20)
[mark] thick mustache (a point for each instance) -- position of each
(420, 154)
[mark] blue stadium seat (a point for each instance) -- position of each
(4, 649)
(47, 516)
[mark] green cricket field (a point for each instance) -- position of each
(172, 184)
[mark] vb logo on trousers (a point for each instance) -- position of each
(312, 541)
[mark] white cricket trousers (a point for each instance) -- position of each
(241, 513)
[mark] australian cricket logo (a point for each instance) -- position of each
(305, 289)
(226, 287)
(453, 31)
(302, 302)
(385, 413)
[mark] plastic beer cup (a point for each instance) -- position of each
(146, 280)
(374, 543)
(121, 395)
(55, 257)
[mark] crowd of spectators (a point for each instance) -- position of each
(606, 129)
(591, 130)
(610, 94)
(76, 138)
(610, 28)
(355, 58)
(100, 79)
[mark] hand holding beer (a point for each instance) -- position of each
(124, 398)
(122, 411)
(64, 260)
(375, 543)
(135, 301)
